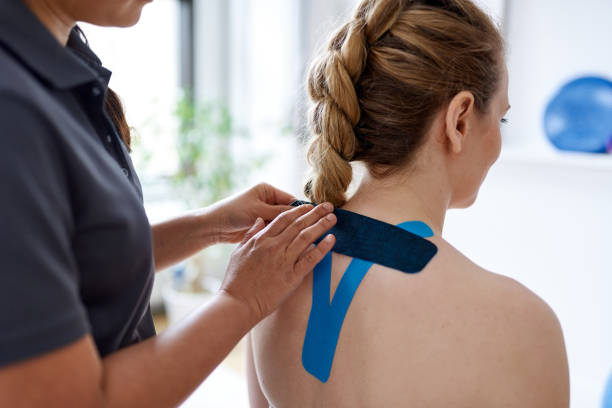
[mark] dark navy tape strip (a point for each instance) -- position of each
(372, 240)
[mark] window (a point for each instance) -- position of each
(146, 65)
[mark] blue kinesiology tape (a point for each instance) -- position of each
(368, 241)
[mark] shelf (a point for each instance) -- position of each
(588, 161)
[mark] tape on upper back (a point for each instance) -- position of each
(367, 241)
(400, 247)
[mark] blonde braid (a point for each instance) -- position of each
(336, 111)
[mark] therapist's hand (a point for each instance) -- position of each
(271, 261)
(235, 215)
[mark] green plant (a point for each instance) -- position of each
(208, 168)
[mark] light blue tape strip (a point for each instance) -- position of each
(325, 321)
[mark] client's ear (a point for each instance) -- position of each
(459, 116)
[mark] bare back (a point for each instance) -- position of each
(451, 335)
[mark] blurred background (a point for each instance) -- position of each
(214, 90)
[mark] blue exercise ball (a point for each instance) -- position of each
(607, 399)
(579, 116)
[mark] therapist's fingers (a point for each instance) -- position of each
(270, 212)
(313, 256)
(285, 219)
(308, 235)
(257, 226)
(272, 195)
(311, 246)
(303, 222)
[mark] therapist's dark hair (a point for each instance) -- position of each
(114, 109)
(383, 77)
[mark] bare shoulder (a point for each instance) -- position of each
(525, 336)
(534, 345)
(504, 293)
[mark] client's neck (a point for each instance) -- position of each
(407, 196)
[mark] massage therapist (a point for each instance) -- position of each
(77, 252)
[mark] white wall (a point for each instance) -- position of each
(495, 8)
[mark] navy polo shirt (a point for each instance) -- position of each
(75, 242)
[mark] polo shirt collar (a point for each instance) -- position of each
(62, 67)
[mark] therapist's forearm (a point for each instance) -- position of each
(162, 372)
(179, 238)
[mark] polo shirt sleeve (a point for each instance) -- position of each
(40, 306)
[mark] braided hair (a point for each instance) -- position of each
(386, 72)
